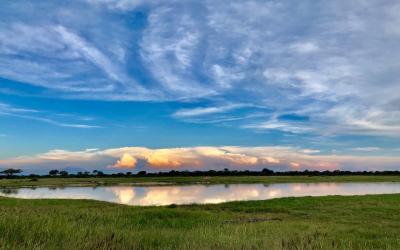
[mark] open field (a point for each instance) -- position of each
(334, 222)
(93, 181)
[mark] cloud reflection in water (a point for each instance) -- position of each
(166, 195)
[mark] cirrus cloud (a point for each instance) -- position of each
(334, 62)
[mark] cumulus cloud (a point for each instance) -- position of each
(126, 161)
(202, 158)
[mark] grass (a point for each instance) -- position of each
(333, 222)
(26, 182)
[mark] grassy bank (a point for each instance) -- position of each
(358, 222)
(93, 181)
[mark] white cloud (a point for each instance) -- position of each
(336, 62)
(123, 5)
(168, 47)
(80, 48)
(310, 151)
(282, 126)
(366, 149)
(41, 116)
(200, 111)
(304, 47)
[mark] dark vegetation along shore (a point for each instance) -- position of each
(62, 178)
(334, 222)
(207, 180)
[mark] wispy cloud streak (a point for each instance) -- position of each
(36, 115)
(334, 62)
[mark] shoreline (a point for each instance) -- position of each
(203, 180)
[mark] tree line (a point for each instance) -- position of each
(17, 173)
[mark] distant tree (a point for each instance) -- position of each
(8, 173)
(63, 173)
(143, 173)
(11, 172)
(54, 172)
(97, 172)
(267, 171)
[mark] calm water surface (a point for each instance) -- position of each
(200, 194)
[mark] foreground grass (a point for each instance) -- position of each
(93, 181)
(357, 222)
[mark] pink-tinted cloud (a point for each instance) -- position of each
(126, 161)
(202, 158)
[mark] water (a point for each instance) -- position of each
(200, 194)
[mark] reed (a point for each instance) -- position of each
(333, 222)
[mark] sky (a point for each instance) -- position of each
(130, 85)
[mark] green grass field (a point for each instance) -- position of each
(334, 222)
(93, 181)
(355, 222)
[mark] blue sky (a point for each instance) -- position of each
(310, 84)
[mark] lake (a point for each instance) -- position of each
(200, 194)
